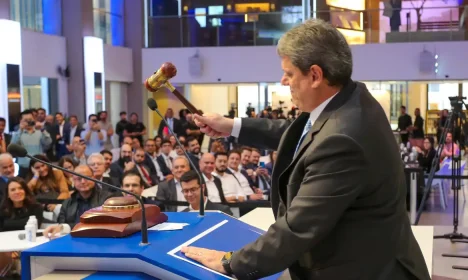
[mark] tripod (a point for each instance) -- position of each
(454, 117)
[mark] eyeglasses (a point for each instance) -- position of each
(192, 190)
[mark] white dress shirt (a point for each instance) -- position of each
(158, 169)
(72, 133)
(180, 196)
(167, 160)
(213, 194)
(244, 183)
(230, 185)
(193, 210)
(313, 117)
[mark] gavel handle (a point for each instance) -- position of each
(182, 99)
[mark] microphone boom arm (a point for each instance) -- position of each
(144, 225)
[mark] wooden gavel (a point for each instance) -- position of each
(161, 79)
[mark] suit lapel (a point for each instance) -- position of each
(173, 188)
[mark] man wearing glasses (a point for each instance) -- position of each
(191, 190)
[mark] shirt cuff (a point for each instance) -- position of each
(236, 127)
(66, 228)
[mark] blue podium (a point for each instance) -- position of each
(161, 259)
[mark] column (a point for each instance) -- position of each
(134, 39)
(306, 9)
(4, 9)
(79, 22)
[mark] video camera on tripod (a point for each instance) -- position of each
(232, 112)
(250, 109)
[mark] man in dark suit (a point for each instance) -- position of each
(5, 138)
(190, 183)
(171, 190)
(63, 130)
(133, 182)
(338, 186)
(174, 124)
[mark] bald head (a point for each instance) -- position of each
(83, 186)
(180, 165)
(7, 166)
(207, 164)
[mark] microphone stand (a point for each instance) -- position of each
(144, 226)
(202, 192)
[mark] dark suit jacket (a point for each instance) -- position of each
(216, 207)
(7, 138)
(339, 203)
(67, 213)
(176, 126)
(3, 189)
(162, 165)
(167, 191)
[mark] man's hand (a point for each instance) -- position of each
(214, 125)
(129, 165)
(52, 231)
(208, 258)
(169, 177)
(256, 196)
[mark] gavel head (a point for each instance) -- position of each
(160, 78)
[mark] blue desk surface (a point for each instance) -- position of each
(231, 236)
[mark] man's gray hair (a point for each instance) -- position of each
(96, 155)
(316, 42)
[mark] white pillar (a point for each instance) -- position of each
(10, 53)
(93, 50)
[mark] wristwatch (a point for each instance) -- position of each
(226, 262)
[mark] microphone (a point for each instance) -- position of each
(19, 151)
(154, 107)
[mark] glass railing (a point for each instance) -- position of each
(109, 27)
(265, 29)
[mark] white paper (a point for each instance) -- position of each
(168, 226)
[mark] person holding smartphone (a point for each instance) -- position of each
(94, 137)
(35, 141)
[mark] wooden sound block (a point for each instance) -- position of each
(118, 217)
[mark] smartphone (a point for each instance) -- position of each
(262, 164)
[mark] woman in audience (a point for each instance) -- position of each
(449, 145)
(158, 141)
(426, 155)
(18, 204)
(269, 166)
(68, 164)
(172, 139)
(46, 182)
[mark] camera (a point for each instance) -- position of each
(31, 123)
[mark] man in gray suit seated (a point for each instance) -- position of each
(171, 190)
(191, 188)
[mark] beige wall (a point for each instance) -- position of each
(417, 98)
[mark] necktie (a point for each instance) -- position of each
(146, 175)
(307, 128)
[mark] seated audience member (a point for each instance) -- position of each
(217, 147)
(171, 190)
(426, 155)
(269, 166)
(158, 140)
(69, 164)
(136, 144)
(241, 176)
(148, 173)
(191, 188)
(194, 150)
(7, 171)
(46, 182)
(108, 159)
(78, 147)
(246, 166)
(172, 140)
(124, 163)
(86, 197)
(260, 175)
(132, 182)
(178, 151)
(214, 187)
(232, 190)
(153, 160)
(96, 162)
(18, 205)
(94, 136)
(165, 155)
(449, 145)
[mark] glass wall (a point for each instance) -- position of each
(38, 15)
(108, 21)
(40, 92)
